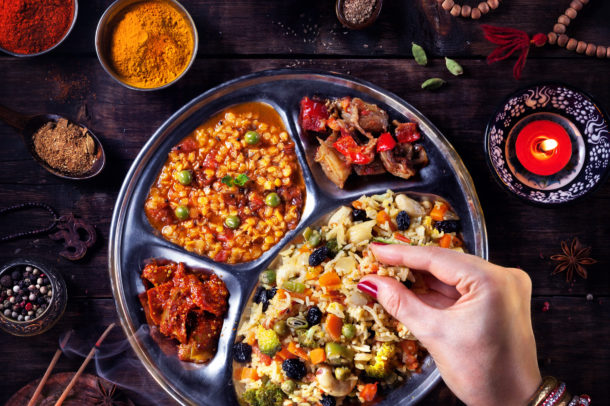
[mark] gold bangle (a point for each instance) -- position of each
(548, 384)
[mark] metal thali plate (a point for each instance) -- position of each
(133, 240)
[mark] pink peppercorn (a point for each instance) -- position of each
(28, 306)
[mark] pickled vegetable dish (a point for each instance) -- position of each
(310, 337)
(231, 189)
(186, 305)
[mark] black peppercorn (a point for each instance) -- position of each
(6, 281)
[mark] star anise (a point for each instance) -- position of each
(109, 396)
(573, 258)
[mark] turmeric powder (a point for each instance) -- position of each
(151, 44)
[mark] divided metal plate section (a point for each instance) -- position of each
(133, 241)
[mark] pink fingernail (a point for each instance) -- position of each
(379, 243)
(369, 288)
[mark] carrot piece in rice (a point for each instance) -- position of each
(250, 338)
(369, 392)
(317, 356)
(313, 273)
(285, 354)
(438, 211)
(329, 279)
(249, 373)
(298, 351)
(382, 217)
(445, 241)
(333, 326)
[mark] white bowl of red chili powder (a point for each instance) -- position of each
(31, 28)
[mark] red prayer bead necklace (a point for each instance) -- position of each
(511, 40)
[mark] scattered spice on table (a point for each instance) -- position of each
(65, 147)
(25, 293)
(69, 86)
(32, 26)
(358, 11)
(151, 44)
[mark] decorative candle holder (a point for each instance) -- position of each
(549, 144)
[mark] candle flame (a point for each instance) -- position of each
(548, 145)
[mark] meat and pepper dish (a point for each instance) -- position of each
(187, 306)
(232, 188)
(357, 136)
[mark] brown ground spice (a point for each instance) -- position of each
(65, 147)
(358, 11)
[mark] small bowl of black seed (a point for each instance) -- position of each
(33, 297)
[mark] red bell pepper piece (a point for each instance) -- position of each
(385, 142)
(407, 132)
(347, 146)
(313, 115)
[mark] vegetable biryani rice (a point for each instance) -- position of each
(311, 337)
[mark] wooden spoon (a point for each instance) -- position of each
(28, 125)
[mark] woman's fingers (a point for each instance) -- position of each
(436, 300)
(450, 267)
(446, 290)
(400, 302)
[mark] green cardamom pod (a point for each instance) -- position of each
(419, 54)
(432, 83)
(454, 67)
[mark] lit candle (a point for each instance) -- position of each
(543, 147)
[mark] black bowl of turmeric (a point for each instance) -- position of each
(146, 44)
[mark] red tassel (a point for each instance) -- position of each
(509, 41)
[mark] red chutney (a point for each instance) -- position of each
(187, 306)
(32, 26)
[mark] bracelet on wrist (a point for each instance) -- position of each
(551, 392)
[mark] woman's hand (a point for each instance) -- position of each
(475, 321)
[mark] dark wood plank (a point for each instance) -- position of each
(520, 235)
(311, 28)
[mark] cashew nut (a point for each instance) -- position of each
(329, 384)
(412, 207)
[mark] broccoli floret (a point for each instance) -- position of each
(250, 397)
(269, 394)
(380, 369)
(268, 342)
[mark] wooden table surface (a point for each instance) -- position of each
(240, 37)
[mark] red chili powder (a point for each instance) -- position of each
(32, 26)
